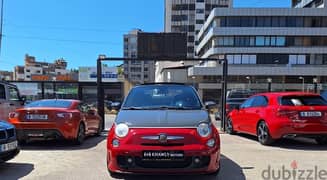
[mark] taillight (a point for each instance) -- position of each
(287, 113)
(13, 115)
(65, 115)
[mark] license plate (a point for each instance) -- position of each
(8, 146)
(310, 114)
(163, 155)
(37, 117)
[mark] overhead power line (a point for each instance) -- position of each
(62, 40)
(63, 28)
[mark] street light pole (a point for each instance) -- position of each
(269, 80)
(1, 24)
(249, 79)
(302, 78)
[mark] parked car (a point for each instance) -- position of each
(233, 100)
(163, 128)
(10, 99)
(8, 142)
(56, 119)
(272, 116)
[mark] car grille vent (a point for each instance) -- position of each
(162, 144)
(2, 135)
(10, 133)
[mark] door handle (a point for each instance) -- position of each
(11, 104)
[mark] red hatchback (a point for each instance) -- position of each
(163, 128)
(54, 119)
(272, 116)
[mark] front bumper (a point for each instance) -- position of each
(8, 155)
(118, 161)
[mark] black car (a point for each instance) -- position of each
(8, 142)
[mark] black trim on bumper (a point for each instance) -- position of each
(38, 134)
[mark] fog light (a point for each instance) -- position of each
(130, 160)
(115, 143)
(197, 160)
(211, 143)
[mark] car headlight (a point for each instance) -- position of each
(121, 130)
(204, 129)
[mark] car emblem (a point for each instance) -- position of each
(312, 108)
(162, 138)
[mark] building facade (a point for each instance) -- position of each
(308, 3)
(285, 47)
(6, 75)
(188, 16)
(43, 71)
(137, 72)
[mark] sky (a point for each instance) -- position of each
(80, 30)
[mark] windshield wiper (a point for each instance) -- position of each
(132, 108)
(172, 108)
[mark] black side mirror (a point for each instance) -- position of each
(210, 105)
(217, 116)
(116, 106)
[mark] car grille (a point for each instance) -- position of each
(162, 164)
(3, 135)
(6, 134)
(10, 133)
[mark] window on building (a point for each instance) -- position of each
(28, 70)
(260, 41)
(200, 11)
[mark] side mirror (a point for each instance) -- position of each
(210, 105)
(217, 116)
(23, 99)
(116, 106)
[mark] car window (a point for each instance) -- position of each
(159, 96)
(259, 101)
(50, 103)
(247, 103)
(2, 92)
(13, 94)
(303, 101)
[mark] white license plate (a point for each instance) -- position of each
(37, 117)
(8, 147)
(310, 114)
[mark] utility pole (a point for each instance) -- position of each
(1, 19)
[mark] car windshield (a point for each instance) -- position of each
(303, 101)
(162, 97)
(49, 103)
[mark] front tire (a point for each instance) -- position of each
(263, 134)
(80, 135)
(229, 127)
(100, 128)
(321, 140)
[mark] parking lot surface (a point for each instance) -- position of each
(242, 158)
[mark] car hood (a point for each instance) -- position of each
(5, 125)
(162, 118)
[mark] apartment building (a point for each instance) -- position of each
(137, 72)
(41, 71)
(283, 46)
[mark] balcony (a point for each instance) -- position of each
(261, 70)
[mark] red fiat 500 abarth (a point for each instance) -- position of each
(272, 116)
(163, 128)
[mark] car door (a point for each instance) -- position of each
(241, 117)
(14, 100)
(83, 108)
(254, 113)
(4, 111)
(93, 119)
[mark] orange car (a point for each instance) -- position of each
(56, 119)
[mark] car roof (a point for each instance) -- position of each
(272, 94)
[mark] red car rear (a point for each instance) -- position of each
(272, 116)
(163, 129)
(55, 119)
